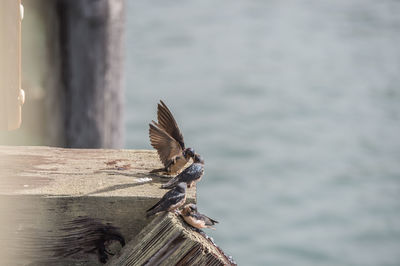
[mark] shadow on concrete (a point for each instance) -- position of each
(151, 178)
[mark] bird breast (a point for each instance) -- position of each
(194, 222)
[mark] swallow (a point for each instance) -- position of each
(190, 175)
(167, 139)
(196, 219)
(171, 201)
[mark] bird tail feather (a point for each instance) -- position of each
(171, 183)
(214, 221)
(153, 210)
(150, 213)
(157, 170)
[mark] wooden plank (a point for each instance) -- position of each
(10, 64)
(167, 240)
(52, 198)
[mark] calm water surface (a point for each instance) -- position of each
(295, 107)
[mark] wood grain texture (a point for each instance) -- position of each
(46, 193)
(167, 240)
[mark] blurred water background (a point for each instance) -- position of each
(295, 107)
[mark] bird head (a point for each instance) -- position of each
(197, 158)
(192, 207)
(189, 153)
(189, 208)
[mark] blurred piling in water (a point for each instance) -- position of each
(91, 42)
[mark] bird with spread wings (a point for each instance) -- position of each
(167, 139)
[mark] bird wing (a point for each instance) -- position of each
(202, 217)
(167, 122)
(166, 146)
(193, 172)
(186, 175)
(169, 199)
(172, 182)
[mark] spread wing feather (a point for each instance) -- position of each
(166, 146)
(166, 121)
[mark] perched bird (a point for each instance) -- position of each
(167, 139)
(196, 219)
(190, 175)
(171, 201)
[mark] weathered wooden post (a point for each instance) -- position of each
(167, 240)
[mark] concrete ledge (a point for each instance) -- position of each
(53, 200)
(53, 172)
